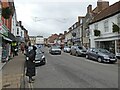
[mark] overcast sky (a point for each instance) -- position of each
(46, 17)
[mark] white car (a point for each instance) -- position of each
(66, 49)
(55, 50)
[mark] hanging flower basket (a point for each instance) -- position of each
(6, 12)
(97, 33)
(116, 28)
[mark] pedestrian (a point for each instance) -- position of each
(22, 48)
(30, 63)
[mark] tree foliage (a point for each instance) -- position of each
(97, 33)
(116, 28)
(6, 12)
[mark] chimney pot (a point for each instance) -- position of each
(89, 9)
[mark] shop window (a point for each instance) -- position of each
(21, 33)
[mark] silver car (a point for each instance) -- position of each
(55, 50)
(78, 50)
(66, 49)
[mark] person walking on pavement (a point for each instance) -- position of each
(30, 63)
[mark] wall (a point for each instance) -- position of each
(105, 35)
(14, 22)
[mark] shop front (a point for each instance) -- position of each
(118, 48)
(5, 44)
(112, 44)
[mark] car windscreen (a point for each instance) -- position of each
(83, 48)
(38, 51)
(66, 47)
(55, 47)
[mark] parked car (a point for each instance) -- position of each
(78, 50)
(40, 57)
(54, 50)
(118, 55)
(58, 46)
(66, 49)
(101, 55)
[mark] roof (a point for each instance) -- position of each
(108, 12)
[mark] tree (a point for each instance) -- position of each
(115, 28)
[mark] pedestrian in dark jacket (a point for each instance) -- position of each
(30, 63)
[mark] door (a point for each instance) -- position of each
(94, 54)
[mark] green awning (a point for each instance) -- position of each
(5, 38)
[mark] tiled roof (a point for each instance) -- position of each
(110, 11)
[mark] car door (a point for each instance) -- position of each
(94, 54)
(74, 51)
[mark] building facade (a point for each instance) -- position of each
(68, 37)
(101, 5)
(40, 40)
(103, 22)
(32, 40)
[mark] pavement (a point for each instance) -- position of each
(12, 74)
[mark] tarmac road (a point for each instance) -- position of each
(66, 71)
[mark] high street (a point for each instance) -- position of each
(66, 71)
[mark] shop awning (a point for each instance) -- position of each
(11, 36)
(5, 38)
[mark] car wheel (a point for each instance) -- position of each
(70, 53)
(77, 54)
(99, 59)
(87, 57)
(44, 63)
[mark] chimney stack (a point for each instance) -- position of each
(65, 32)
(102, 5)
(80, 19)
(20, 22)
(89, 9)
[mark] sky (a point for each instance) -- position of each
(46, 17)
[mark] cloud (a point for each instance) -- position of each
(43, 17)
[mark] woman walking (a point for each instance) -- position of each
(31, 64)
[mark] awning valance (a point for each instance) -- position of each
(11, 36)
(5, 38)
